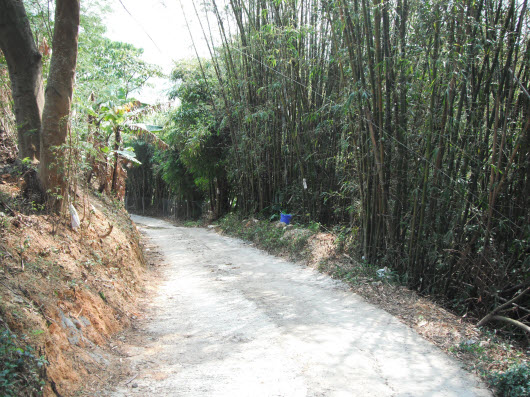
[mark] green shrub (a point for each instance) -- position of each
(266, 235)
(515, 382)
(192, 224)
(21, 372)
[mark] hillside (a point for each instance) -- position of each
(64, 292)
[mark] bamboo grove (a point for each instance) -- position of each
(406, 122)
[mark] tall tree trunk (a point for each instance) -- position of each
(58, 97)
(24, 62)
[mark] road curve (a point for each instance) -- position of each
(230, 320)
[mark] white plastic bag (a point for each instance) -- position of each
(75, 218)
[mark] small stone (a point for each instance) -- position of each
(134, 385)
(18, 299)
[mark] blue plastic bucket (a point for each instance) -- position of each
(285, 218)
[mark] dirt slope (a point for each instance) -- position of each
(230, 320)
(67, 292)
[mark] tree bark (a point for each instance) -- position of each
(58, 97)
(24, 62)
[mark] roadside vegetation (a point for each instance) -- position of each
(21, 371)
(403, 127)
(400, 127)
(502, 362)
(272, 237)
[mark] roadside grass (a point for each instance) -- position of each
(508, 375)
(352, 274)
(502, 365)
(273, 237)
(192, 224)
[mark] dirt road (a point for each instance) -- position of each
(230, 320)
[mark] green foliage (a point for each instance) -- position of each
(21, 372)
(314, 226)
(270, 236)
(515, 382)
(193, 168)
(402, 124)
(5, 225)
(193, 129)
(110, 69)
(108, 74)
(346, 237)
(192, 224)
(469, 347)
(358, 272)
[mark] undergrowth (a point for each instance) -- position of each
(21, 371)
(512, 382)
(361, 272)
(270, 236)
(192, 224)
(515, 382)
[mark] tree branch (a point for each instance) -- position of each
(491, 315)
(513, 322)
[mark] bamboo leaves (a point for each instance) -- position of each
(408, 119)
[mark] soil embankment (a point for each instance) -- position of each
(65, 292)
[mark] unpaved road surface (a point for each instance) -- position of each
(230, 320)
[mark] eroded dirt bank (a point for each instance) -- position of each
(229, 320)
(64, 293)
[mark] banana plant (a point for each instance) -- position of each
(110, 120)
